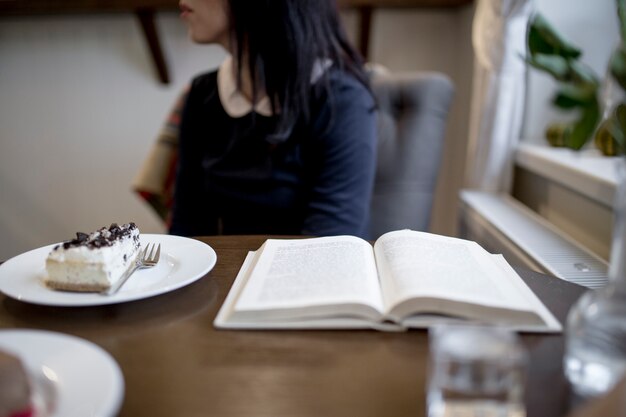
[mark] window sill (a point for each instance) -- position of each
(587, 172)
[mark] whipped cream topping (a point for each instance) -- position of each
(105, 245)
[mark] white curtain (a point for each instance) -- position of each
(498, 92)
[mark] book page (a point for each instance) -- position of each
(418, 264)
(297, 273)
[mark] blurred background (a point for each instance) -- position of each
(81, 103)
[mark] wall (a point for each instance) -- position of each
(80, 107)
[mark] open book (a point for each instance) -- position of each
(408, 279)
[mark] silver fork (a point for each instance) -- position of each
(147, 259)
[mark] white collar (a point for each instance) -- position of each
(236, 104)
(233, 101)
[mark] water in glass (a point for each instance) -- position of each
(475, 371)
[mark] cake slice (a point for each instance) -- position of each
(15, 389)
(93, 262)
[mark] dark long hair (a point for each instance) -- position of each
(282, 41)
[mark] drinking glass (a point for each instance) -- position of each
(595, 334)
(475, 371)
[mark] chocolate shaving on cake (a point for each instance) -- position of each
(102, 237)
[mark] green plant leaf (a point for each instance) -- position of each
(617, 65)
(621, 141)
(621, 14)
(617, 132)
(603, 139)
(582, 74)
(584, 127)
(609, 138)
(617, 126)
(556, 134)
(544, 39)
(555, 65)
(571, 95)
(620, 112)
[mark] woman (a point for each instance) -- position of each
(281, 139)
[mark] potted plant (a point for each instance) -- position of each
(579, 88)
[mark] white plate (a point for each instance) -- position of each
(85, 380)
(182, 262)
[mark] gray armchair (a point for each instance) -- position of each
(413, 109)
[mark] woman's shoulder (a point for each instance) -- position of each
(204, 81)
(343, 106)
(202, 89)
(343, 82)
(342, 92)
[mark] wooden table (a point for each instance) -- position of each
(176, 364)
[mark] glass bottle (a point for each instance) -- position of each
(595, 351)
